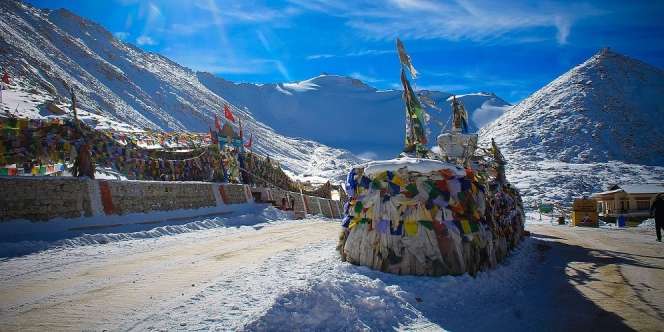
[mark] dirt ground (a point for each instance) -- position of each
(616, 277)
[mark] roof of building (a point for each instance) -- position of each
(645, 188)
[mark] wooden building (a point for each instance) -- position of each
(630, 200)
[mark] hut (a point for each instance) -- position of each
(630, 200)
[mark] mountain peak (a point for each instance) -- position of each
(608, 57)
(341, 80)
(607, 108)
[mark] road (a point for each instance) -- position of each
(104, 287)
(562, 278)
(616, 276)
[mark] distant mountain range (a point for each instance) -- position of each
(345, 112)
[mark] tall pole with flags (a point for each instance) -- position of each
(73, 107)
(416, 137)
(2, 87)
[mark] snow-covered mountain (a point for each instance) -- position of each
(598, 124)
(47, 51)
(345, 112)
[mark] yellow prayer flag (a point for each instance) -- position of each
(398, 181)
(411, 227)
(466, 226)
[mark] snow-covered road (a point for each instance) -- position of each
(287, 276)
(131, 283)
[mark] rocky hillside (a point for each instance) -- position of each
(46, 52)
(610, 107)
(598, 124)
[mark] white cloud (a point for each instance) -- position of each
(213, 62)
(416, 4)
(364, 78)
(121, 35)
(320, 56)
(488, 113)
(480, 20)
(145, 41)
(153, 11)
(264, 41)
(442, 87)
(281, 69)
(182, 29)
(563, 26)
(361, 53)
(370, 52)
(244, 11)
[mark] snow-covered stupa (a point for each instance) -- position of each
(431, 213)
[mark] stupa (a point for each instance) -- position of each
(431, 213)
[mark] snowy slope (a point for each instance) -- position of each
(345, 112)
(47, 51)
(598, 124)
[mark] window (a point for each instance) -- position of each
(624, 205)
(643, 205)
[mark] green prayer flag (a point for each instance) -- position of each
(415, 118)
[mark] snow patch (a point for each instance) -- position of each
(413, 164)
(300, 86)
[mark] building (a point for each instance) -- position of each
(630, 200)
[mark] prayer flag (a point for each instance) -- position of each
(217, 123)
(404, 58)
(415, 118)
(213, 137)
(5, 77)
(248, 144)
(228, 114)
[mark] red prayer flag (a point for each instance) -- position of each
(5, 78)
(213, 137)
(248, 144)
(217, 123)
(228, 114)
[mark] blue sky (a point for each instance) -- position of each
(510, 48)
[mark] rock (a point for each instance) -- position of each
(51, 107)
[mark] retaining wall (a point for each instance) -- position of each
(145, 196)
(43, 198)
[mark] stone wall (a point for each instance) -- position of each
(43, 198)
(146, 196)
(299, 207)
(312, 205)
(233, 193)
(326, 210)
